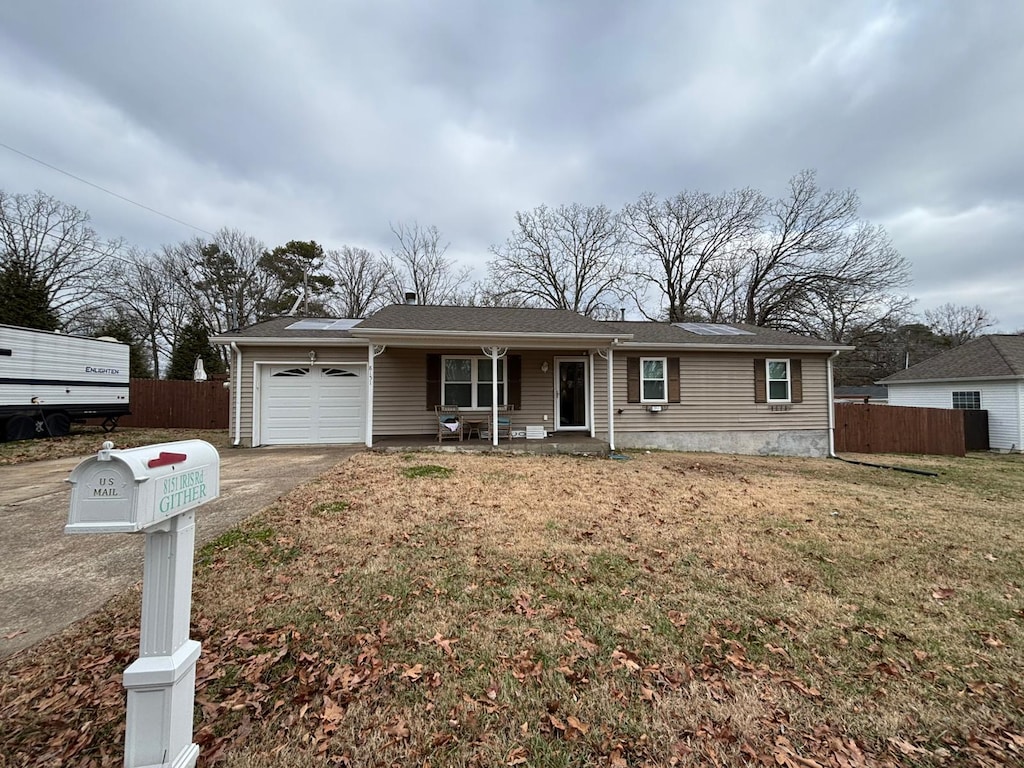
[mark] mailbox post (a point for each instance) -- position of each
(154, 490)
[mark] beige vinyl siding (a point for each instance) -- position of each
(299, 356)
(717, 394)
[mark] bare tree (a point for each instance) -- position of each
(51, 244)
(570, 257)
(418, 263)
(153, 304)
(683, 242)
(958, 323)
(360, 281)
(852, 292)
(223, 280)
(784, 260)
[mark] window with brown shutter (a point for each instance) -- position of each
(760, 380)
(673, 380)
(796, 375)
(633, 379)
(433, 381)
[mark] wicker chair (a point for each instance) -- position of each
(449, 423)
(504, 422)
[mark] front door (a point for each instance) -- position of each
(571, 382)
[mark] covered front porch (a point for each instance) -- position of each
(566, 443)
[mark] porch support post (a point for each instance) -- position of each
(495, 353)
(590, 396)
(373, 351)
(611, 404)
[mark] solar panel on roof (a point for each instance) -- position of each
(344, 324)
(311, 324)
(713, 329)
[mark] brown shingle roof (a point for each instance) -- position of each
(277, 328)
(987, 357)
(667, 333)
(423, 317)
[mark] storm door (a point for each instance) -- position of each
(571, 385)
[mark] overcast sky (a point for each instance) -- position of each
(329, 120)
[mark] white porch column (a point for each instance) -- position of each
(495, 353)
(372, 353)
(611, 404)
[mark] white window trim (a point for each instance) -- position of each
(954, 393)
(768, 380)
(664, 379)
(475, 380)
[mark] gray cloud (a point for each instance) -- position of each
(330, 120)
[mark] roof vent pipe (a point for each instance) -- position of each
(622, 313)
(410, 297)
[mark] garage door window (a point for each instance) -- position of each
(338, 372)
(292, 372)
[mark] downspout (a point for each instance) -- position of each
(831, 409)
(238, 395)
(590, 395)
(611, 403)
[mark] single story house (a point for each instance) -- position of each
(986, 373)
(683, 386)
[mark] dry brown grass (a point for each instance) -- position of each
(85, 440)
(676, 609)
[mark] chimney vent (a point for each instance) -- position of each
(622, 313)
(410, 297)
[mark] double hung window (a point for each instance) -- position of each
(778, 381)
(653, 380)
(466, 382)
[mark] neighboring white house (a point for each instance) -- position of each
(986, 373)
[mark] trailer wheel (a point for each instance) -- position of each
(20, 427)
(58, 424)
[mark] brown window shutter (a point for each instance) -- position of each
(796, 381)
(433, 381)
(760, 381)
(515, 380)
(633, 379)
(673, 380)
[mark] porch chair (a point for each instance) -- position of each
(504, 422)
(449, 423)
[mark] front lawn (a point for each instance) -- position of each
(674, 609)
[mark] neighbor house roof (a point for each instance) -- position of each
(715, 336)
(987, 357)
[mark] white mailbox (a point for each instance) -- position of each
(130, 490)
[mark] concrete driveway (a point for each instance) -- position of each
(49, 580)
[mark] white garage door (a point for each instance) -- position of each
(301, 405)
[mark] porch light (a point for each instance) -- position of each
(312, 356)
(544, 367)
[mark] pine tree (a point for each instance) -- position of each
(193, 341)
(25, 299)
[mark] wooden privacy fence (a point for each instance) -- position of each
(178, 404)
(896, 429)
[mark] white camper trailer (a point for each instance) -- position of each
(49, 380)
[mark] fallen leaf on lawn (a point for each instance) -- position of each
(993, 641)
(14, 634)
(626, 659)
(920, 655)
(577, 725)
(444, 644)
(942, 593)
(415, 672)
(517, 756)
(398, 729)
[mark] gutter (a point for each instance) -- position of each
(238, 395)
